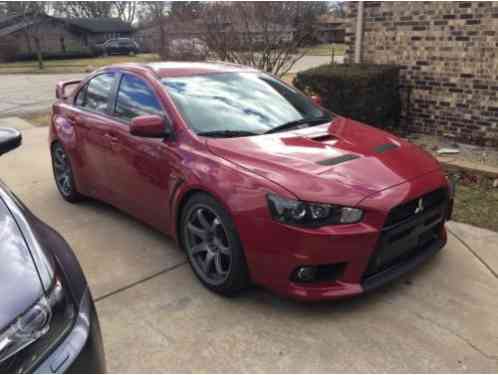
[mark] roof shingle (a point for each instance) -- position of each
(100, 25)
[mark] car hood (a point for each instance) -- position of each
(20, 285)
(341, 162)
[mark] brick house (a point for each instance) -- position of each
(61, 34)
(448, 54)
(330, 29)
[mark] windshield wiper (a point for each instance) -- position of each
(294, 124)
(226, 133)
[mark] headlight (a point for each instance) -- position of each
(31, 325)
(294, 212)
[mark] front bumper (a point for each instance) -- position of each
(81, 351)
(364, 256)
(339, 289)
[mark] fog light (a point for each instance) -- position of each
(305, 274)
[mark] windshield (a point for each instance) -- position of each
(239, 103)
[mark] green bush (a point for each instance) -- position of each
(366, 93)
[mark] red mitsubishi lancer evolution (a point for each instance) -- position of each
(255, 181)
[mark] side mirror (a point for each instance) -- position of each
(9, 140)
(150, 126)
(317, 100)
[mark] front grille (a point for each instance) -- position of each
(406, 233)
(406, 210)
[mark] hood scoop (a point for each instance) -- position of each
(338, 160)
(323, 137)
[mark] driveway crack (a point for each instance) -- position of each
(141, 281)
(459, 336)
(473, 252)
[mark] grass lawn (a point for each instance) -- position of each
(476, 206)
(287, 78)
(326, 49)
(72, 65)
(38, 119)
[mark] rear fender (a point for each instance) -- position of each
(64, 132)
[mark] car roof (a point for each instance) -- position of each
(181, 69)
(177, 69)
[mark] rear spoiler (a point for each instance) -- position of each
(9, 139)
(60, 89)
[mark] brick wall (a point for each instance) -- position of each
(448, 53)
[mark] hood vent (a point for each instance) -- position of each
(338, 160)
(323, 137)
(385, 147)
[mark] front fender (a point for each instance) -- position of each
(241, 192)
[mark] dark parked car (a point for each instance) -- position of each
(48, 321)
(119, 46)
(254, 180)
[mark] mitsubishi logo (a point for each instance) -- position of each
(420, 206)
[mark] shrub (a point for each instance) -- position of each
(8, 49)
(366, 93)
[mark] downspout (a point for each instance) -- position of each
(358, 45)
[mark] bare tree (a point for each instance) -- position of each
(34, 16)
(156, 13)
(125, 10)
(84, 9)
(186, 10)
(4, 11)
(265, 35)
(337, 8)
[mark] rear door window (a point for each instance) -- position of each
(135, 98)
(98, 93)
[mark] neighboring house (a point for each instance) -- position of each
(448, 54)
(61, 34)
(279, 33)
(330, 29)
(98, 30)
(54, 35)
(148, 35)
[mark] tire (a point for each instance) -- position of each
(63, 174)
(226, 271)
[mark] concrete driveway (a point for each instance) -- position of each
(26, 93)
(155, 315)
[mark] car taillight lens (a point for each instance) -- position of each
(31, 325)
